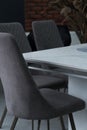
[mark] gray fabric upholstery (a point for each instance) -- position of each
(23, 99)
(17, 30)
(46, 34)
(43, 81)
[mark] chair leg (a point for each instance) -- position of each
(65, 90)
(14, 123)
(32, 124)
(62, 123)
(72, 121)
(39, 122)
(3, 116)
(48, 124)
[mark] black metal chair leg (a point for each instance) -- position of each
(72, 121)
(3, 116)
(62, 123)
(39, 122)
(14, 123)
(32, 124)
(48, 124)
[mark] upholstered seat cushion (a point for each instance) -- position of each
(61, 102)
(43, 81)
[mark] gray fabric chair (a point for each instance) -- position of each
(47, 36)
(23, 99)
(17, 30)
(42, 81)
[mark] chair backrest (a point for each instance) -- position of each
(65, 34)
(23, 99)
(46, 34)
(17, 30)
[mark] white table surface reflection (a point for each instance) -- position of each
(71, 61)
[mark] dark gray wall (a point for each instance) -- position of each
(12, 11)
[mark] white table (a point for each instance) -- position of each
(71, 61)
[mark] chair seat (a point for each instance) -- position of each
(43, 81)
(62, 103)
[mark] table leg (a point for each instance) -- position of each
(78, 87)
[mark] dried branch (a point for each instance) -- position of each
(75, 12)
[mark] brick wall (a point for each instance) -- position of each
(37, 10)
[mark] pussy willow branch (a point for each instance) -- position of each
(75, 12)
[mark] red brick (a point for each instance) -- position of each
(38, 10)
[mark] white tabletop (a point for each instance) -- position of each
(72, 59)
